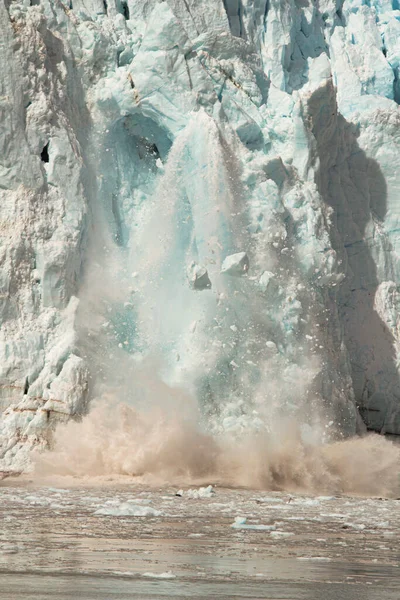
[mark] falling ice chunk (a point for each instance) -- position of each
(198, 277)
(235, 264)
(271, 346)
(265, 280)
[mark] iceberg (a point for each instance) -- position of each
(145, 145)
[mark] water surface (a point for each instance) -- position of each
(54, 545)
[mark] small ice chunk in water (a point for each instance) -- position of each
(9, 549)
(269, 499)
(166, 575)
(316, 558)
(356, 526)
(306, 501)
(235, 264)
(203, 492)
(281, 534)
(126, 509)
(241, 523)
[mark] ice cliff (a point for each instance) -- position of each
(209, 184)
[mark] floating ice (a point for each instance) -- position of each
(281, 534)
(9, 549)
(270, 500)
(165, 575)
(126, 509)
(357, 526)
(241, 523)
(202, 492)
(316, 558)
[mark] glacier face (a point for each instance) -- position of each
(210, 184)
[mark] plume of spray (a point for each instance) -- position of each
(216, 404)
(161, 440)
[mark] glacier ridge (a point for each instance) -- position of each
(209, 185)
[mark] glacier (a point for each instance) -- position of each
(209, 185)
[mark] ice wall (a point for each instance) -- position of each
(211, 185)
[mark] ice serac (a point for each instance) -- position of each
(150, 151)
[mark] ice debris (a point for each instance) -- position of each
(202, 492)
(193, 494)
(165, 575)
(316, 558)
(235, 264)
(356, 526)
(281, 534)
(265, 280)
(127, 509)
(269, 500)
(198, 277)
(241, 523)
(9, 549)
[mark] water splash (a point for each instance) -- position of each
(159, 445)
(237, 393)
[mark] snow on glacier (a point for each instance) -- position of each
(144, 145)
